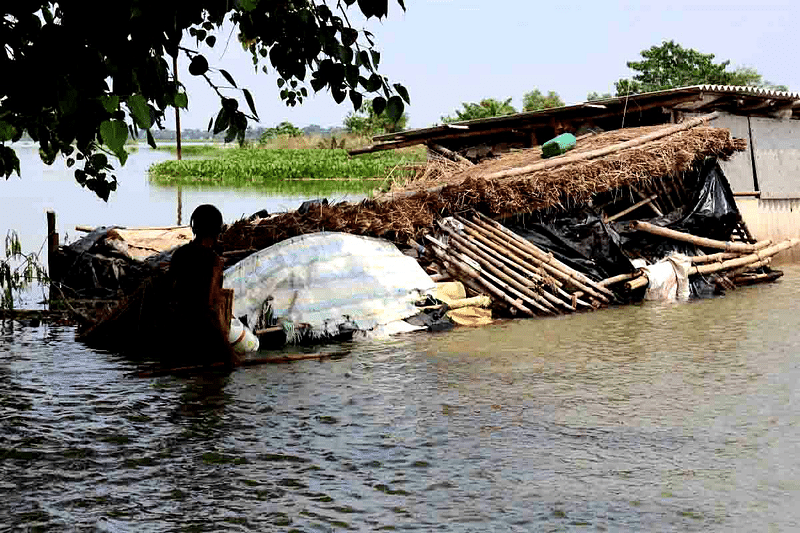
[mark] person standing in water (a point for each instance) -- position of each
(196, 275)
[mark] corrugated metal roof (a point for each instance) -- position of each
(509, 120)
(721, 89)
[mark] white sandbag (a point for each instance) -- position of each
(328, 280)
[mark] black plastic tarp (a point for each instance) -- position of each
(711, 213)
(580, 238)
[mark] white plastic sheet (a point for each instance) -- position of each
(327, 280)
(669, 278)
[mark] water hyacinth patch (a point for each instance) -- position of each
(289, 171)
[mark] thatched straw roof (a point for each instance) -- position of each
(410, 211)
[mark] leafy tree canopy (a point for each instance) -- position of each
(366, 122)
(284, 128)
(80, 85)
(592, 96)
(670, 65)
(488, 107)
(535, 100)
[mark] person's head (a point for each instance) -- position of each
(206, 222)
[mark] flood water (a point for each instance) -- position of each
(654, 417)
(658, 417)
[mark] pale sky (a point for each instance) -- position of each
(451, 51)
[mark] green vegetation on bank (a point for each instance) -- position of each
(318, 171)
(193, 150)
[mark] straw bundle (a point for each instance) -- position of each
(401, 218)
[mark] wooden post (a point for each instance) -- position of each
(52, 244)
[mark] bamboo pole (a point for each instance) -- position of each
(502, 272)
(651, 205)
(510, 270)
(440, 252)
(509, 285)
(713, 258)
(744, 260)
(632, 208)
(491, 275)
(752, 279)
(728, 246)
(528, 269)
(550, 163)
(600, 152)
(637, 283)
(753, 266)
(755, 260)
(476, 231)
(722, 256)
(621, 277)
(545, 258)
(450, 153)
(659, 185)
(649, 188)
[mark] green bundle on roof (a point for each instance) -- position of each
(558, 145)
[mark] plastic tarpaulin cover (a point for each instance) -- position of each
(330, 282)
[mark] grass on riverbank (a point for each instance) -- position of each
(303, 171)
(193, 150)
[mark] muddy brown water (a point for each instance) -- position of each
(653, 417)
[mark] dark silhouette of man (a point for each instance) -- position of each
(196, 275)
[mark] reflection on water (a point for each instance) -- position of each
(659, 417)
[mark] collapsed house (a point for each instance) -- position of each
(628, 214)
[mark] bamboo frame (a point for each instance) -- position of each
(728, 246)
(547, 259)
(519, 281)
(632, 208)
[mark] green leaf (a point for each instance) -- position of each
(228, 77)
(394, 108)
(221, 124)
(338, 95)
(248, 5)
(349, 36)
(7, 131)
(281, 82)
(110, 102)
(376, 57)
(114, 134)
(373, 84)
(140, 111)
(250, 103)
(402, 92)
(317, 84)
(182, 100)
(356, 98)
(198, 66)
(378, 104)
(363, 59)
(99, 161)
(152, 142)
(211, 40)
